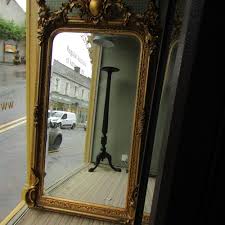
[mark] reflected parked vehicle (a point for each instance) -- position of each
(54, 135)
(63, 119)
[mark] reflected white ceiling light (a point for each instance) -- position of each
(103, 41)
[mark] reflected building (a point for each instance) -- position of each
(69, 90)
(11, 12)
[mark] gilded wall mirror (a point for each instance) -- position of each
(90, 112)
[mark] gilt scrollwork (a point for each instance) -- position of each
(133, 200)
(141, 121)
(31, 193)
(105, 10)
(132, 204)
(89, 10)
(49, 202)
(49, 21)
(95, 7)
(96, 11)
(36, 115)
(148, 23)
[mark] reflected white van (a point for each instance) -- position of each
(63, 119)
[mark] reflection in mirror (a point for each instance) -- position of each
(68, 107)
(163, 124)
(91, 117)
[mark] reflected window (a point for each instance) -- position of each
(66, 89)
(64, 116)
(57, 84)
(75, 91)
(57, 114)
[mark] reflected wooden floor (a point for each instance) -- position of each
(104, 186)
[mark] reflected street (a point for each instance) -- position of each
(68, 157)
(13, 162)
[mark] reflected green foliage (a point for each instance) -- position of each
(10, 31)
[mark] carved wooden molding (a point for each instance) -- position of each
(99, 11)
(133, 199)
(31, 193)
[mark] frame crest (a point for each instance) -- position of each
(99, 12)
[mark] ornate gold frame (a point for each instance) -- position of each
(95, 16)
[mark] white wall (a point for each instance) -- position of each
(125, 56)
(12, 11)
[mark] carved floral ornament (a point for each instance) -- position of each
(99, 12)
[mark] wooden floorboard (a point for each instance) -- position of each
(41, 217)
(104, 186)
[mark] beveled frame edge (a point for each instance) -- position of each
(33, 195)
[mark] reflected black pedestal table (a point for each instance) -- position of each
(104, 154)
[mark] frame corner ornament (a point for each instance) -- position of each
(132, 205)
(133, 200)
(149, 22)
(31, 192)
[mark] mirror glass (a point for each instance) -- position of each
(92, 97)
